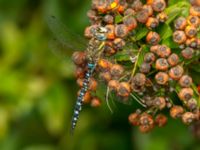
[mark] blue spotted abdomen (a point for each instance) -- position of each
(79, 101)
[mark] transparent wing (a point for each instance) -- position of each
(64, 38)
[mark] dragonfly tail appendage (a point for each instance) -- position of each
(80, 98)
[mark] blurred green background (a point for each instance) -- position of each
(38, 90)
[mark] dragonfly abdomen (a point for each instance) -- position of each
(79, 101)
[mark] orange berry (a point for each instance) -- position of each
(187, 53)
(80, 72)
(109, 19)
(193, 21)
(185, 81)
(192, 104)
(191, 31)
(79, 81)
(162, 64)
(185, 94)
(92, 84)
(195, 11)
(104, 64)
(162, 78)
(124, 89)
(79, 58)
(145, 67)
(195, 2)
(100, 5)
(188, 118)
(180, 23)
(142, 16)
(134, 119)
(159, 102)
(153, 38)
(122, 6)
(137, 5)
(163, 51)
(176, 72)
(146, 123)
(152, 22)
(121, 30)
(154, 48)
(106, 76)
(116, 71)
(130, 22)
(95, 102)
(179, 37)
(129, 12)
(118, 43)
(173, 59)
(176, 111)
(149, 57)
(92, 14)
(139, 79)
(113, 85)
(162, 17)
(158, 5)
(160, 120)
(193, 42)
(86, 98)
(148, 9)
(111, 32)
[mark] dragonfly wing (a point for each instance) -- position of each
(64, 36)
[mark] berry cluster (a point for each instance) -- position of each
(156, 76)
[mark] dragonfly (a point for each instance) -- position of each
(94, 50)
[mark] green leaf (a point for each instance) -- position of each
(141, 32)
(165, 31)
(118, 19)
(141, 56)
(170, 43)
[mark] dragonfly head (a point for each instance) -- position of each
(100, 33)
